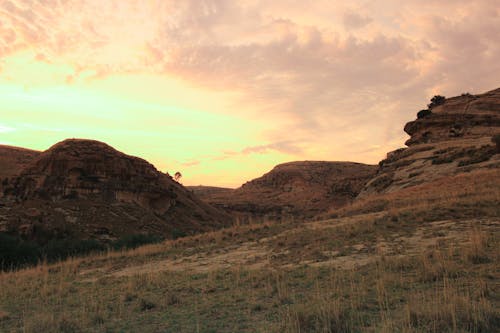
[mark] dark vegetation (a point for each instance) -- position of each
(436, 101)
(16, 252)
(423, 113)
(468, 156)
(496, 140)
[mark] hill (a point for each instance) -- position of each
(204, 192)
(13, 160)
(447, 139)
(86, 189)
(295, 190)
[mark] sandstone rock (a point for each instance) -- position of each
(455, 137)
(84, 184)
(295, 189)
(12, 161)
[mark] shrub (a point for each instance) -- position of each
(478, 155)
(496, 140)
(59, 249)
(436, 100)
(14, 252)
(423, 113)
(176, 233)
(136, 240)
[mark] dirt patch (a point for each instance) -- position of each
(257, 255)
(250, 254)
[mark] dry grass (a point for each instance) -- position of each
(473, 190)
(408, 268)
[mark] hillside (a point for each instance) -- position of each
(426, 263)
(13, 160)
(295, 189)
(86, 189)
(448, 139)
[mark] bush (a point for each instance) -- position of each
(15, 252)
(136, 240)
(496, 140)
(423, 113)
(176, 233)
(436, 100)
(59, 249)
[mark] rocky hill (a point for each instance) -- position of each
(453, 136)
(295, 189)
(87, 189)
(14, 159)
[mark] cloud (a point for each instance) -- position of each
(284, 147)
(353, 20)
(191, 163)
(6, 129)
(328, 73)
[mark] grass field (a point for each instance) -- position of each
(423, 260)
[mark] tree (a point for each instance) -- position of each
(177, 176)
(436, 100)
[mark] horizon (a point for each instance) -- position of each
(224, 91)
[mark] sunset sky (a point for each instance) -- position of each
(223, 90)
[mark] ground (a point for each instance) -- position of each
(379, 266)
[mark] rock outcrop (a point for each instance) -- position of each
(454, 137)
(296, 189)
(12, 161)
(91, 190)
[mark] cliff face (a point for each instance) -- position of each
(93, 189)
(298, 189)
(456, 136)
(461, 117)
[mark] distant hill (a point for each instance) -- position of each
(452, 137)
(87, 189)
(206, 191)
(299, 189)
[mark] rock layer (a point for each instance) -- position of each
(454, 137)
(296, 189)
(95, 190)
(12, 161)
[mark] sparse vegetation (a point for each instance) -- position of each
(423, 263)
(436, 101)
(16, 252)
(423, 113)
(496, 140)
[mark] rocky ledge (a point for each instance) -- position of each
(458, 134)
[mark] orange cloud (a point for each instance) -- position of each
(322, 79)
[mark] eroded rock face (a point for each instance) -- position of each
(455, 137)
(121, 194)
(461, 117)
(298, 189)
(12, 161)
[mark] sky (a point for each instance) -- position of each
(223, 90)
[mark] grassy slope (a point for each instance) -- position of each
(418, 261)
